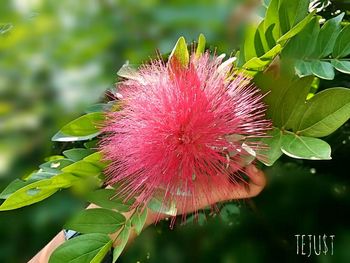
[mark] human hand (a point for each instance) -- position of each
(249, 189)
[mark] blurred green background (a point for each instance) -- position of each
(57, 57)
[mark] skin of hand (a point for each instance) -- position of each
(256, 184)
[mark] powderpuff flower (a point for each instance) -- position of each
(180, 131)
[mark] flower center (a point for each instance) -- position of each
(184, 138)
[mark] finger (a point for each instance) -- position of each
(256, 176)
(257, 180)
(234, 191)
(222, 191)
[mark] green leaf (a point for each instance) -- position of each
(96, 159)
(248, 50)
(200, 45)
(61, 137)
(127, 71)
(138, 220)
(270, 155)
(179, 54)
(342, 43)
(294, 101)
(99, 107)
(296, 47)
(91, 144)
(322, 69)
(309, 148)
(83, 128)
(289, 109)
(228, 211)
(157, 205)
(272, 20)
(327, 36)
(55, 166)
(303, 68)
(36, 191)
(291, 13)
(100, 256)
(54, 158)
(13, 187)
(270, 40)
(106, 198)
(260, 43)
(82, 169)
(261, 62)
(308, 59)
(325, 112)
(96, 220)
(41, 175)
(285, 97)
(122, 241)
(341, 65)
(84, 125)
(76, 154)
(297, 29)
(82, 249)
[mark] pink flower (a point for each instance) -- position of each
(181, 131)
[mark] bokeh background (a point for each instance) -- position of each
(57, 57)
